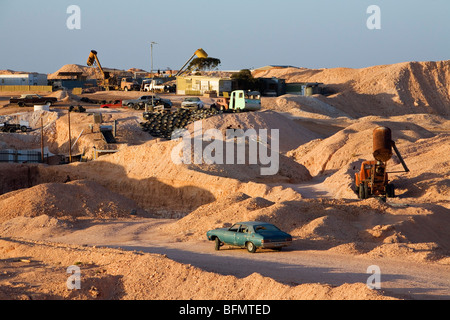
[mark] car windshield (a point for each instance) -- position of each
(265, 228)
(254, 95)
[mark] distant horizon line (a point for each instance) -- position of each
(229, 70)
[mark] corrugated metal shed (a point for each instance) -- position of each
(25, 79)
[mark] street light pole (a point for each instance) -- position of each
(151, 49)
(153, 80)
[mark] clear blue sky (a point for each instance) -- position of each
(242, 33)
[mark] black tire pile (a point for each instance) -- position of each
(77, 109)
(94, 101)
(163, 124)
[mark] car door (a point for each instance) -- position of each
(230, 235)
(28, 99)
(241, 236)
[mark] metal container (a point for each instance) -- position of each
(201, 53)
(91, 59)
(98, 118)
(382, 144)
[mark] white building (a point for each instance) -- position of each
(25, 79)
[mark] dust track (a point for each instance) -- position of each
(294, 265)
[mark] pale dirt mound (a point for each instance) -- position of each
(403, 88)
(305, 107)
(32, 117)
(354, 141)
(291, 135)
(369, 227)
(18, 141)
(147, 174)
(38, 227)
(341, 155)
(8, 71)
(56, 132)
(72, 199)
(112, 274)
(427, 181)
(89, 72)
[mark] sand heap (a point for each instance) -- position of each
(402, 88)
(305, 107)
(290, 134)
(71, 199)
(8, 71)
(112, 274)
(147, 174)
(56, 131)
(88, 72)
(340, 156)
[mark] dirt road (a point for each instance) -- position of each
(294, 265)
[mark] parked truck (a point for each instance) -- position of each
(129, 84)
(32, 99)
(156, 85)
(373, 179)
(238, 101)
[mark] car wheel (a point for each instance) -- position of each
(49, 103)
(250, 247)
(23, 129)
(217, 244)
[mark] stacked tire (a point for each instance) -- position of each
(163, 124)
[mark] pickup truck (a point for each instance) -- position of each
(136, 103)
(32, 99)
(154, 86)
(128, 84)
(23, 126)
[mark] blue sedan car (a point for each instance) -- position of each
(250, 235)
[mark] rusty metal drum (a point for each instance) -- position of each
(382, 144)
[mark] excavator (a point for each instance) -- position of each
(372, 179)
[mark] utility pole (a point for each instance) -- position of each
(70, 142)
(153, 80)
(42, 140)
(151, 52)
